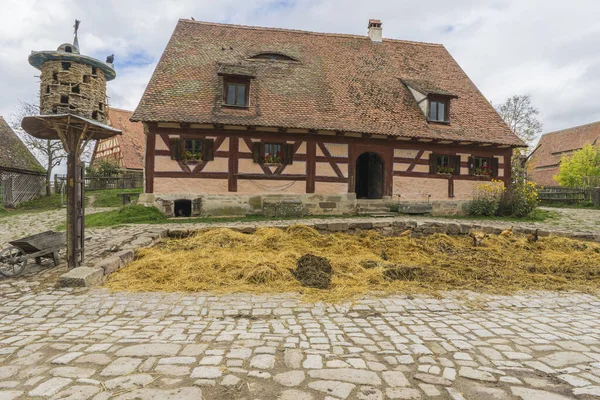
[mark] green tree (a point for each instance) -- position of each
(585, 162)
(103, 168)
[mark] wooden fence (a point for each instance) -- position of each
(559, 194)
(17, 188)
(129, 181)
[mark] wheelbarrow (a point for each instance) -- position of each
(13, 260)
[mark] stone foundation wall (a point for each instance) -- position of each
(288, 205)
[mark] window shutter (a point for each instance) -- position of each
(208, 153)
(256, 150)
(432, 164)
(288, 154)
(495, 167)
(471, 165)
(175, 144)
(456, 165)
(196, 207)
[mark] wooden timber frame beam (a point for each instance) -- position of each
(313, 139)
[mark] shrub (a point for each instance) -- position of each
(486, 198)
(103, 168)
(520, 200)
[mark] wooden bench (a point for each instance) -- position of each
(126, 197)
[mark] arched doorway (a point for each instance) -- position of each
(369, 176)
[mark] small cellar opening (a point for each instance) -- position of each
(183, 208)
(64, 99)
(66, 66)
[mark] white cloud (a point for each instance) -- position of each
(547, 49)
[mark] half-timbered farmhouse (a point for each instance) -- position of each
(238, 118)
(127, 149)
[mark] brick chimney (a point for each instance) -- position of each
(375, 31)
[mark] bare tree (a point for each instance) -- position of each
(521, 117)
(48, 152)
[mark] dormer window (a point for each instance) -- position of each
(439, 110)
(235, 92)
(433, 101)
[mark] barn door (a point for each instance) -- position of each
(375, 176)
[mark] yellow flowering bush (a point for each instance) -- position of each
(486, 198)
(520, 200)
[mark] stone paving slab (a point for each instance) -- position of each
(77, 343)
(96, 344)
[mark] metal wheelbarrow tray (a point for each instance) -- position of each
(13, 260)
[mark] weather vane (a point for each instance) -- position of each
(76, 27)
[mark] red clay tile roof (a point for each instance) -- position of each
(14, 155)
(340, 82)
(554, 145)
(132, 139)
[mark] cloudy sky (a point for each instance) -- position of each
(549, 49)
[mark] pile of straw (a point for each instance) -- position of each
(222, 260)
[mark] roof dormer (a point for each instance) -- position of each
(433, 101)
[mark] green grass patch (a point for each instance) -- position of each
(102, 198)
(137, 214)
(44, 203)
(134, 214)
(109, 198)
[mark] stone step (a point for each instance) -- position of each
(379, 214)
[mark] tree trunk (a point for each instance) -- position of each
(49, 170)
(48, 178)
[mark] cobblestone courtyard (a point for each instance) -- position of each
(94, 344)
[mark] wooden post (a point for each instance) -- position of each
(150, 154)
(311, 165)
(233, 163)
(508, 168)
(72, 215)
(75, 202)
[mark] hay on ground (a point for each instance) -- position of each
(222, 260)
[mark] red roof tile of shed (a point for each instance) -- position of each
(340, 82)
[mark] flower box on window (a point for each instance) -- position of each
(483, 171)
(190, 157)
(445, 170)
(271, 160)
